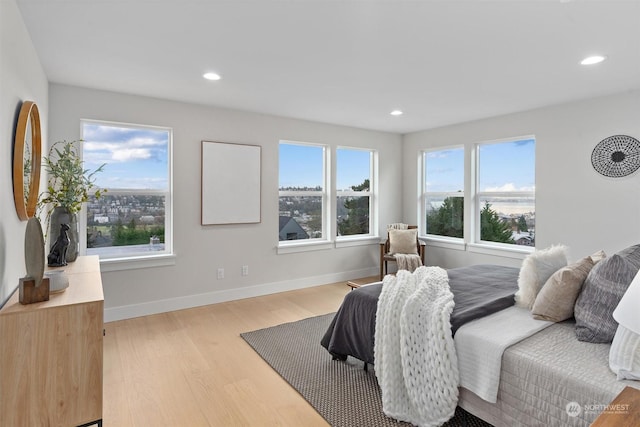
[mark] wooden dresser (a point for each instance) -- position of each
(623, 411)
(51, 354)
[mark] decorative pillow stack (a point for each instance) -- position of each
(556, 299)
(536, 270)
(590, 290)
(602, 291)
(403, 241)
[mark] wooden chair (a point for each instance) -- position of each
(386, 257)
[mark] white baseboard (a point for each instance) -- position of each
(112, 314)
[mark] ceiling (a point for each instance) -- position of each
(344, 62)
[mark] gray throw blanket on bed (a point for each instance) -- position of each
(478, 290)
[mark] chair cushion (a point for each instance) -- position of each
(403, 241)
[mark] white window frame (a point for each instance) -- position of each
(436, 239)
(287, 246)
(485, 246)
(135, 260)
(371, 193)
(471, 241)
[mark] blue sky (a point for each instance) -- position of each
(134, 157)
(353, 167)
(508, 166)
(503, 167)
(301, 166)
(445, 170)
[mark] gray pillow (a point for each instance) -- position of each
(602, 291)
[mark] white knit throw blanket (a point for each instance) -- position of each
(408, 262)
(398, 226)
(415, 357)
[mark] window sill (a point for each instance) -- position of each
(136, 262)
(289, 248)
(517, 252)
(347, 242)
(454, 244)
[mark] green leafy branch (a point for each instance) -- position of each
(69, 183)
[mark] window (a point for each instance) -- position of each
(500, 198)
(444, 192)
(505, 195)
(133, 218)
(302, 191)
(354, 171)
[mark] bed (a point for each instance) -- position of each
(539, 377)
(352, 329)
(542, 375)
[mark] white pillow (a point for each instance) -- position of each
(536, 269)
(624, 356)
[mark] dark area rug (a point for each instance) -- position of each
(342, 392)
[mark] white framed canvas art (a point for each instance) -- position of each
(230, 183)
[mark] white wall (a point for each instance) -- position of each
(202, 249)
(21, 79)
(575, 205)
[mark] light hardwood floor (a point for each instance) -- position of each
(191, 368)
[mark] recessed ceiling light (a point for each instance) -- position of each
(211, 76)
(596, 59)
(396, 113)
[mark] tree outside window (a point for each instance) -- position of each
(501, 197)
(354, 171)
(506, 191)
(444, 192)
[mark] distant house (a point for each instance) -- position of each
(524, 239)
(100, 219)
(291, 230)
(147, 219)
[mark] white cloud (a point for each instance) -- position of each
(129, 154)
(131, 149)
(130, 143)
(136, 182)
(510, 187)
(506, 187)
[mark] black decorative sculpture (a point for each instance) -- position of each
(58, 255)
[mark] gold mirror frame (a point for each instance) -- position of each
(26, 201)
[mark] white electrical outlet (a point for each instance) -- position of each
(220, 273)
(245, 270)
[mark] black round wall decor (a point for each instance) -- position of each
(616, 156)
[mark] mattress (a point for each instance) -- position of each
(543, 374)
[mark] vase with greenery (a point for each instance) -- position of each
(69, 185)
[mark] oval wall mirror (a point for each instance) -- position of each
(26, 160)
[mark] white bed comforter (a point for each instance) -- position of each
(480, 344)
(415, 356)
